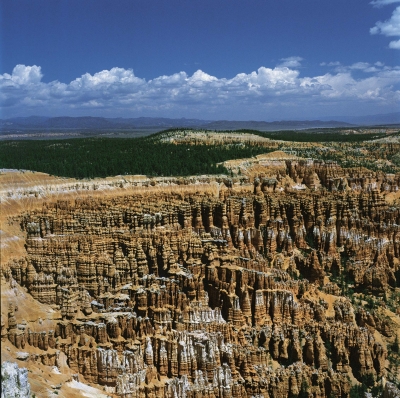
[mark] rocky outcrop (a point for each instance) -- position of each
(14, 381)
(390, 391)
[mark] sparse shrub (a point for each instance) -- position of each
(395, 345)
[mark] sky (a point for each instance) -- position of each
(206, 59)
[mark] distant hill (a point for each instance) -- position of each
(101, 123)
(96, 123)
(370, 120)
(271, 126)
(162, 123)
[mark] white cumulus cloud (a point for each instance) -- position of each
(267, 90)
(291, 62)
(395, 44)
(22, 74)
(389, 28)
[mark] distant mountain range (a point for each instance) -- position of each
(89, 122)
(369, 120)
(101, 123)
(271, 126)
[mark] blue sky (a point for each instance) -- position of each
(217, 59)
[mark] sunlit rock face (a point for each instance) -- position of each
(196, 295)
(14, 381)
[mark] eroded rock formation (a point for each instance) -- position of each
(192, 295)
(14, 381)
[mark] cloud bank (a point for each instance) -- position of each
(266, 92)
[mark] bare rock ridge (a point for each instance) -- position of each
(239, 295)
